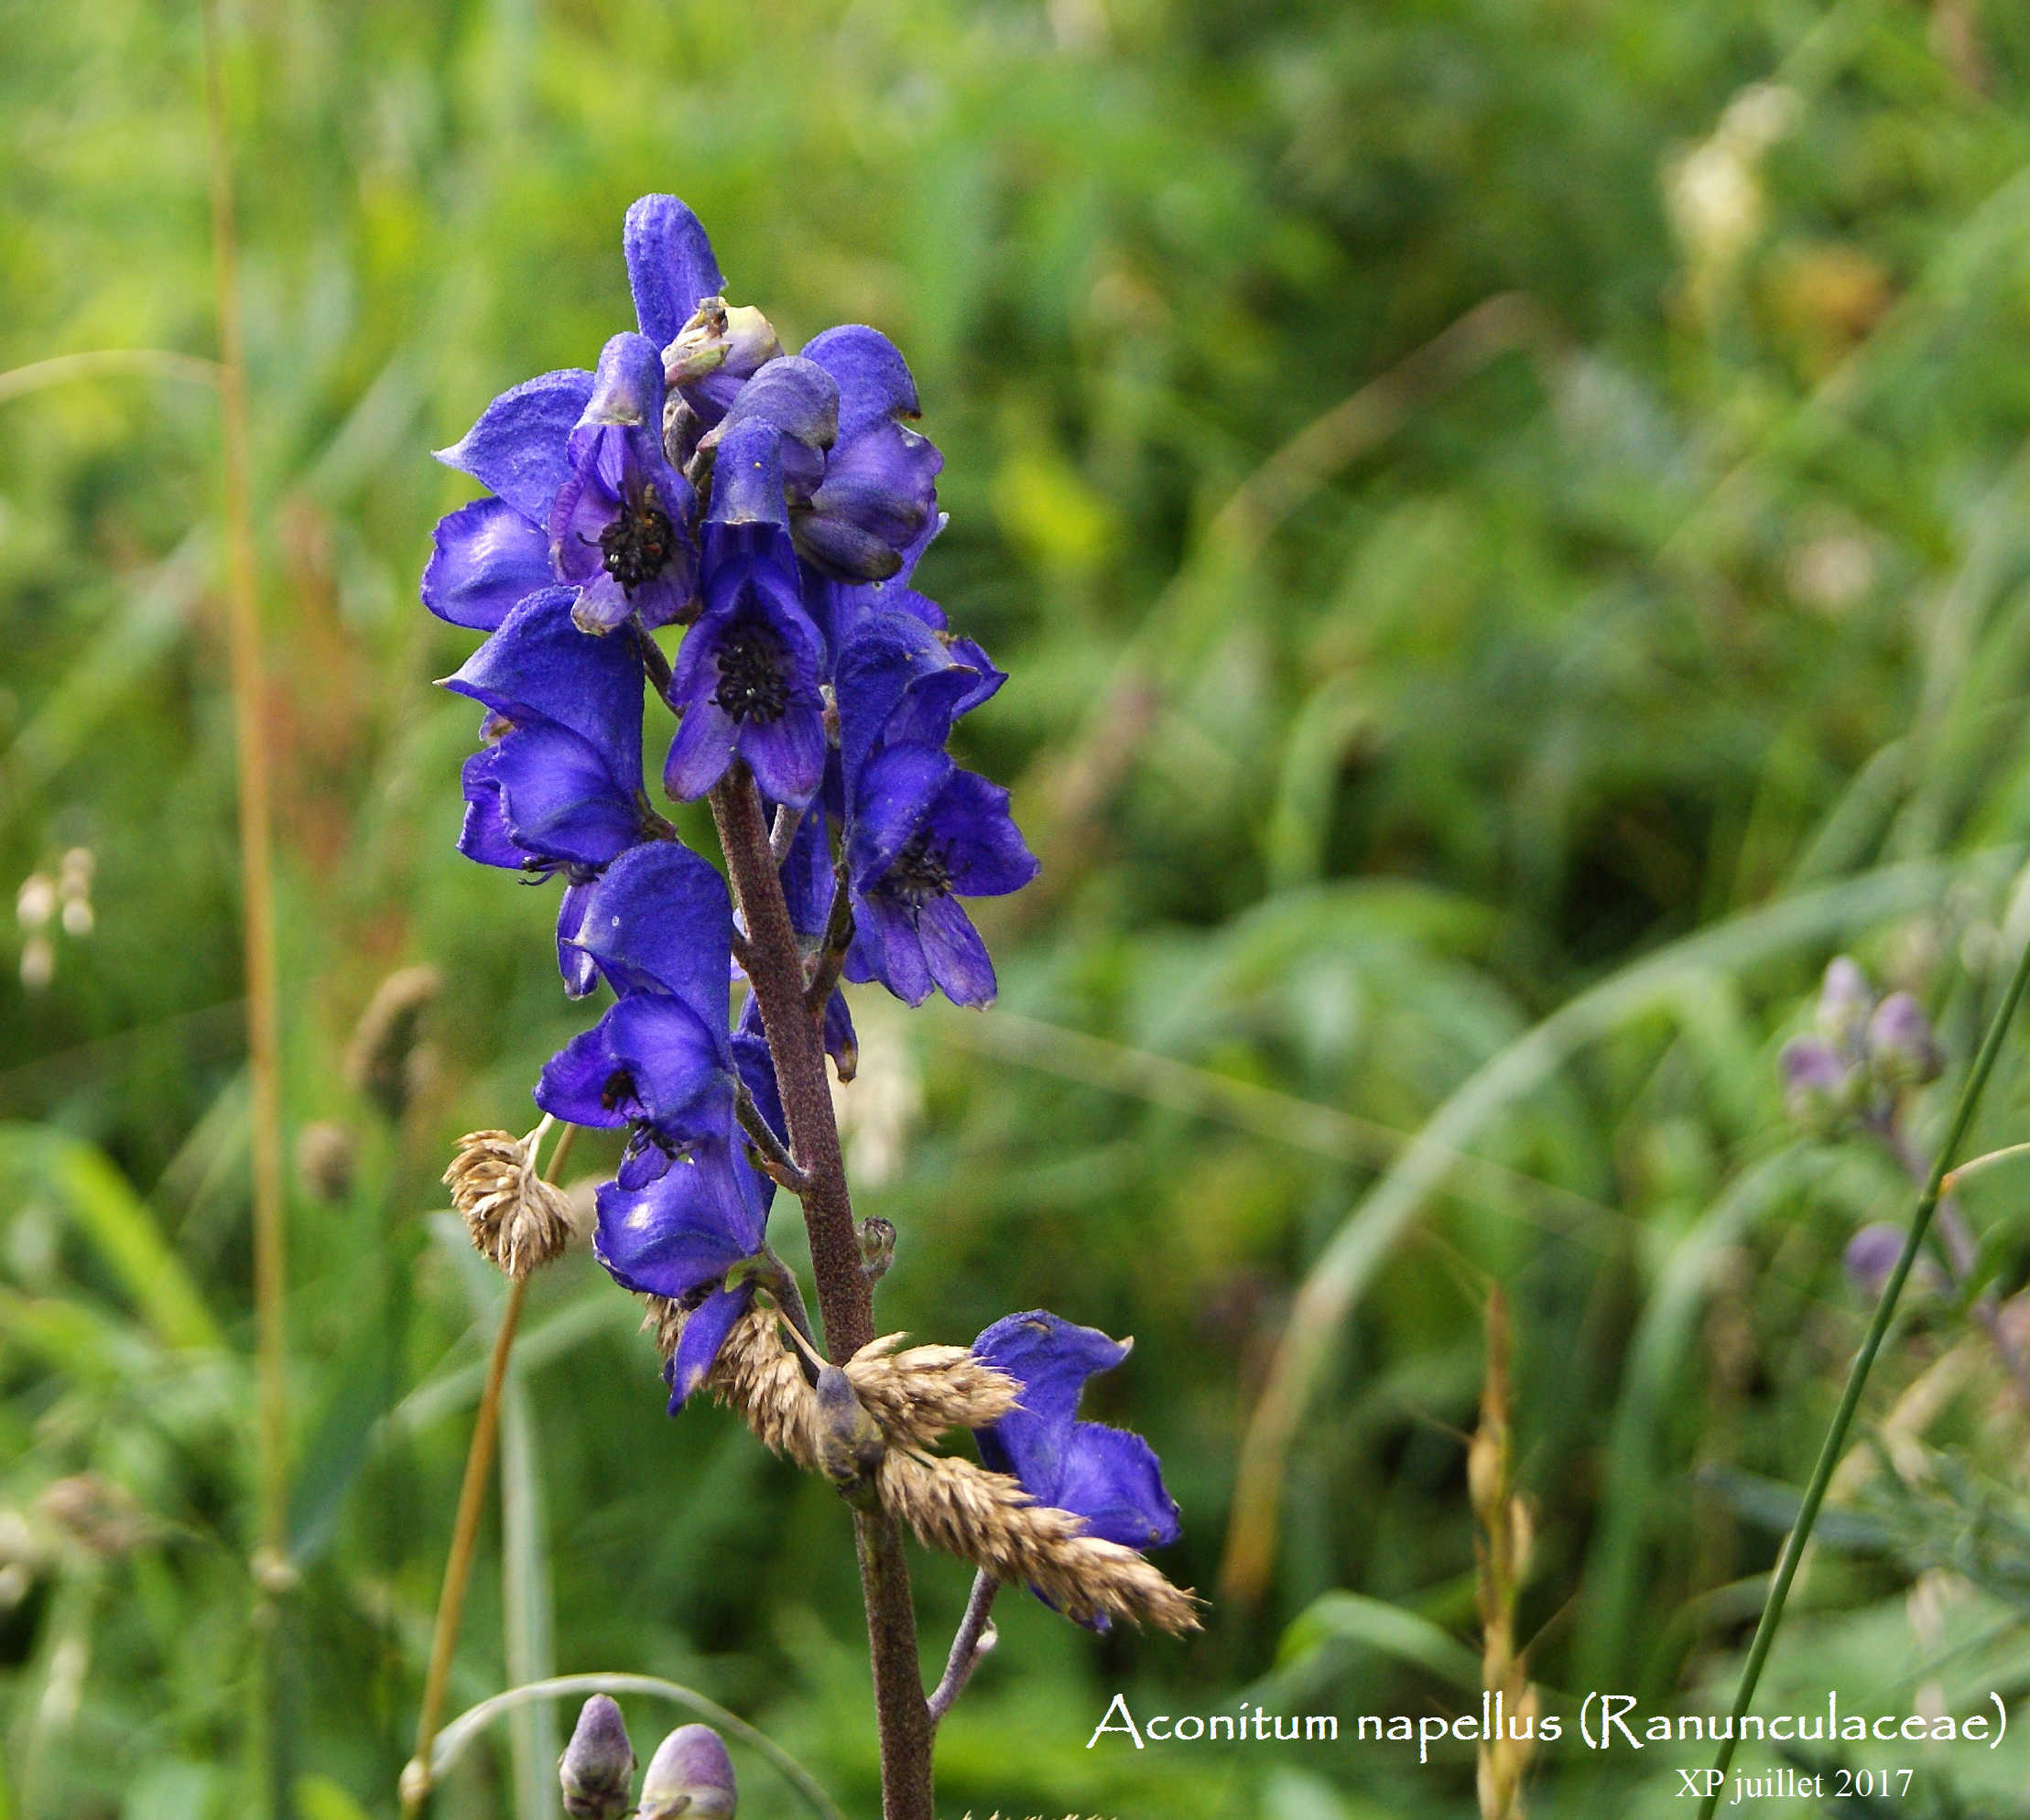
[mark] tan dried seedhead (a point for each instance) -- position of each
(910, 1396)
(516, 1217)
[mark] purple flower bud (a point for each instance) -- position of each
(1845, 1000)
(1872, 1255)
(1901, 1044)
(691, 1775)
(1817, 1085)
(597, 1768)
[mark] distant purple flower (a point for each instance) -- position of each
(1107, 1476)
(1818, 1084)
(1845, 999)
(1871, 1259)
(1901, 1043)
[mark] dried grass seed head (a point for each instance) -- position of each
(515, 1219)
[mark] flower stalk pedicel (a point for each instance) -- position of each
(765, 512)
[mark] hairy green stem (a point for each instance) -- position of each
(1857, 1378)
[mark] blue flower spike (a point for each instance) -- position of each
(734, 531)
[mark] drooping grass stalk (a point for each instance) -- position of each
(775, 964)
(258, 919)
(417, 1777)
(1857, 1378)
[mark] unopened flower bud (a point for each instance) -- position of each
(1845, 999)
(597, 1768)
(737, 340)
(1817, 1085)
(1901, 1044)
(877, 1248)
(849, 1439)
(691, 1775)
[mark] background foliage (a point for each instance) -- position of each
(1488, 507)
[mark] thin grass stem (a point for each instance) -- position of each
(419, 1778)
(272, 1575)
(18, 382)
(1857, 1378)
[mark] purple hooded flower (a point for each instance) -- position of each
(746, 681)
(620, 525)
(670, 266)
(494, 552)
(658, 926)
(920, 832)
(1107, 1476)
(686, 1206)
(559, 785)
(879, 487)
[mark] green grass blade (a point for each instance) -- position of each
(1363, 1239)
(102, 1204)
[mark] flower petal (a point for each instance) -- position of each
(579, 971)
(516, 447)
(796, 397)
(983, 847)
(887, 947)
(894, 795)
(688, 1226)
(628, 389)
(560, 798)
(872, 377)
(538, 665)
(705, 1330)
(954, 953)
(1114, 1481)
(1051, 1360)
(486, 558)
(659, 919)
(670, 265)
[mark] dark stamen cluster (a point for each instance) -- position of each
(638, 544)
(753, 674)
(919, 874)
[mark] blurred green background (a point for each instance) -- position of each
(1508, 525)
